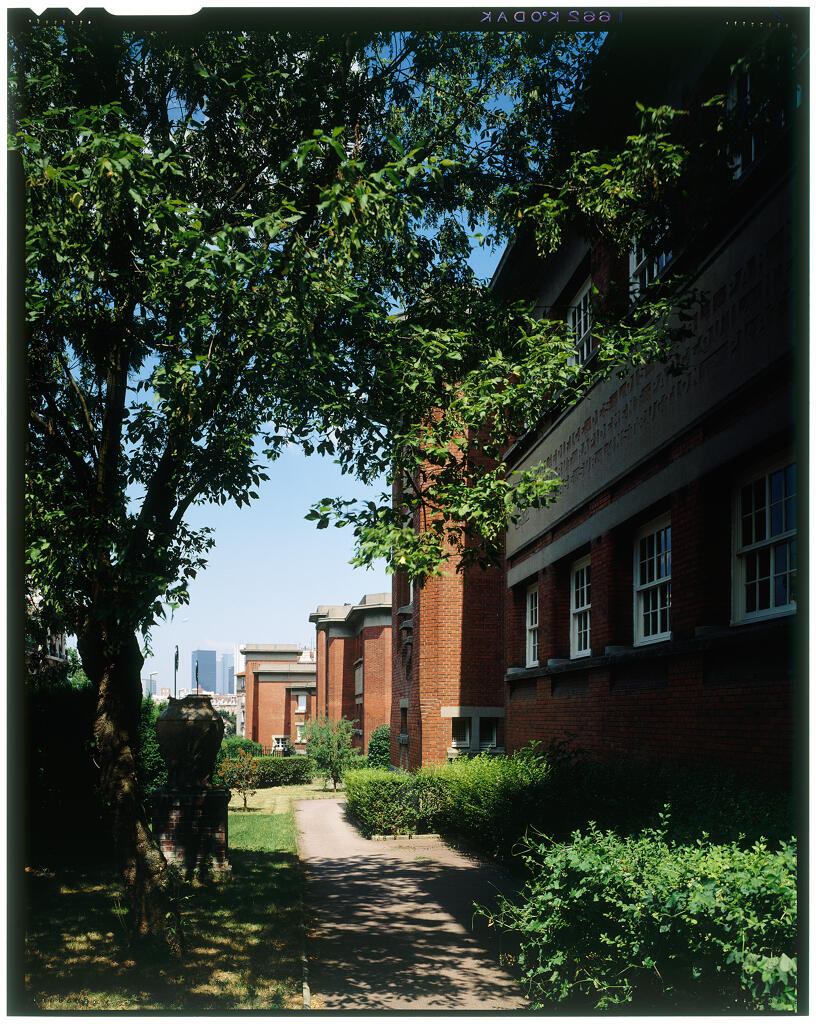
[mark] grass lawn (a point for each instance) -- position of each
(244, 934)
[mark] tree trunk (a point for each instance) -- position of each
(113, 664)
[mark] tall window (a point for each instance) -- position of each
(645, 267)
(532, 625)
(301, 703)
(765, 571)
(580, 602)
(580, 320)
(653, 583)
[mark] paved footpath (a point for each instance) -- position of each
(395, 928)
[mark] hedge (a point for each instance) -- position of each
(285, 771)
(493, 801)
(606, 920)
(389, 803)
(486, 800)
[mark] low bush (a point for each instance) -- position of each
(628, 796)
(609, 920)
(285, 771)
(486, 800)
(229, 748)
(242, 774)
(379, 747)
(391, 803)
(490, 801)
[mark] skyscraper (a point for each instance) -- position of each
(226, 673)
(206, 670)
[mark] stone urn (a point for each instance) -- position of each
(189, 732)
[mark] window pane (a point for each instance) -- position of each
(764, 593)
(780, 591)
(750, 597)
(776, 486)
(790, 480)
(759, 525)
(487, 732)
(790, 514)
(461, 731)
(747, 530)
(776, 519)
(764, 562)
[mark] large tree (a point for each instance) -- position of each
(237, 240)
(220, 228)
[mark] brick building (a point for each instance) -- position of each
(448, 657)
(354, 663)
(651, 609)
(279, 694)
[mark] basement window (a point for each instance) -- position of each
(487, 733)
(460, 732)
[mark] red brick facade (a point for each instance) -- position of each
(448, 655)
(280, 694)
(690, 655)
(354, 663)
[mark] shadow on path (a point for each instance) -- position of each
(394, 925)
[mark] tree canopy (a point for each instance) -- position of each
(240, 240)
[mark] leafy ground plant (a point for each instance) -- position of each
(243, 936)
(606, 921)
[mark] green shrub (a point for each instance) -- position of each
(151, 770)
(489, 800)
(389, 803)
(607, 920)
(379, 747)
(329, 744)
(628, 796)
(284, 771)
(230, 745)
(242, 774)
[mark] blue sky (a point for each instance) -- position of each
(270, 567)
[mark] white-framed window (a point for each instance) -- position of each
(765, 566)
(487, 733)
(300, 733)
(301, 704)
(532, 626)
(580, 320)
(460, 732)
(645, 266)
(652, 577)
(739, 107)
(358, 678)
(580, 607)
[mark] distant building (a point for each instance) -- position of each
(279, 694)
(354, 663)
(206, 670)
(240, 696)
(225, 674)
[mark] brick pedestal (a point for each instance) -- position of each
(191, 828)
